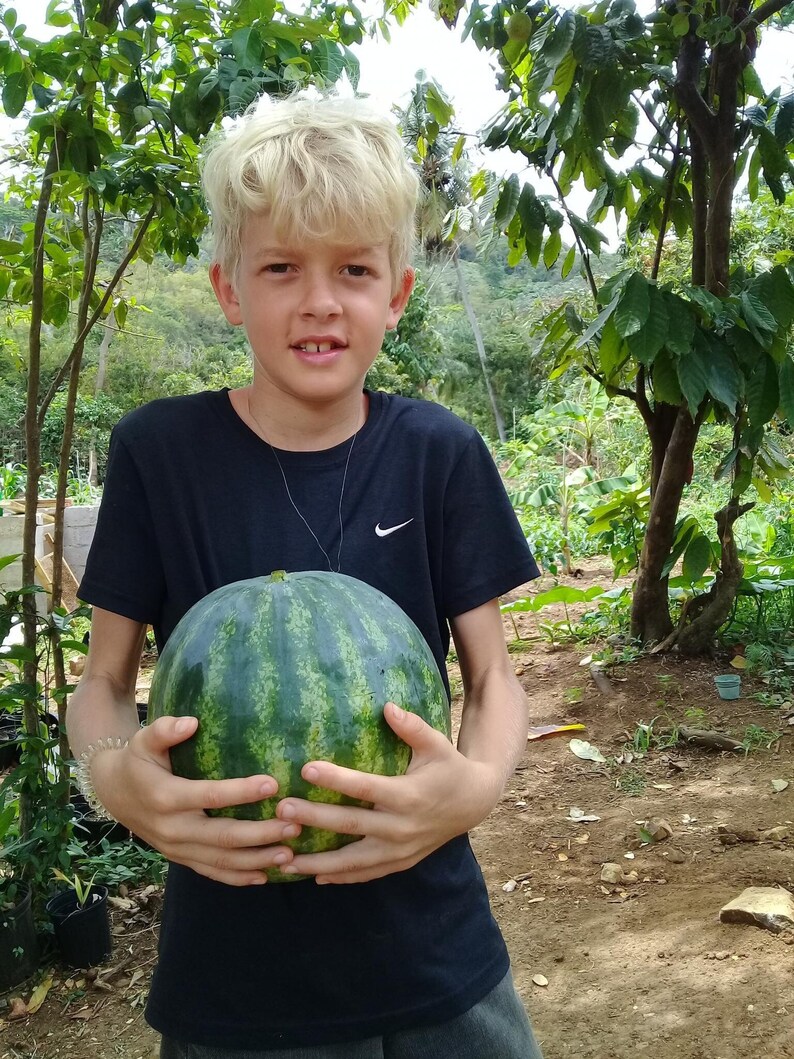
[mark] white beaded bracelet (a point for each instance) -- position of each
(85, 784)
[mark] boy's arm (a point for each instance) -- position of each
(446, 791)
(136, 785)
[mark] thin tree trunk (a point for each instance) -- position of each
(101, 371)
(464, 294)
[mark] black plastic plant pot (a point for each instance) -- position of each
(82, 933)
(19, 947)
(90, 829)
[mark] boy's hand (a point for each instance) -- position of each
(443, 794)
(137, 787)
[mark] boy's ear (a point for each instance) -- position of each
(225, 293)
(400, 299)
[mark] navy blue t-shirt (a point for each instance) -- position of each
(194, 500)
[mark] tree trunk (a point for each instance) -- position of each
(714, 607)
(650, 614)
(464, 294)
(101, 371)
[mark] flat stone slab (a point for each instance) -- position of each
(770, 907)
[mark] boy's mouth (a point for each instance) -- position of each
(320, 350)
(317, 347)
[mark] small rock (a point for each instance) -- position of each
(509, 886)
(611, 873)
(770, 907)
(657, 829)
(779, 785)
(675, 856)
(519, 671)
(777, 834)
(540, 979)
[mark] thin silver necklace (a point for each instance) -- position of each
(298, 511)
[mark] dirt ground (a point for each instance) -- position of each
(608, 970)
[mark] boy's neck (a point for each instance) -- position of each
(297, 426)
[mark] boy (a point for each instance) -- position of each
(391, 950)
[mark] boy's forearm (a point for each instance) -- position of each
(493, 729)
(99, 709)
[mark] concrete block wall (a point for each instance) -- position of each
(79, 525)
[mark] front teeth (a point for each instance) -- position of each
(313, 347)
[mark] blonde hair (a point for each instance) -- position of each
(319, 168)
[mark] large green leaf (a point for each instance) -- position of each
(507, 202)
(761, 391)
(664, 378)
(649, 339)
(725, 383)
(760, 320)
(786, 384)
(697, 557)
(15, 92)
(693, 377)
(680, 324)
(634, 306)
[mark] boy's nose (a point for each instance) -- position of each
(319, 299)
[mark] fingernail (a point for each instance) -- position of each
(311, 774)
(267, 789)
(182, 725)
(291, 832)
(281, 858)
(290, 870)
(397, 711)
(287, 811)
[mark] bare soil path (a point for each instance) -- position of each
(642, 967)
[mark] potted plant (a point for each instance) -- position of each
(81, 921)
(19, 947)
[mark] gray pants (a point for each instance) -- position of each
(495, 1028)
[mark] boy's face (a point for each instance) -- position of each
(315, 314)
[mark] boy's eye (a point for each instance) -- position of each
(279, 267)
(357, 270)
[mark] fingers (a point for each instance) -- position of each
(184, 795)
(159, 736)
(413, 730)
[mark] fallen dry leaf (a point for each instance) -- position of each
(39, 995)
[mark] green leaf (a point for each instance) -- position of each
(665, 379)
(761, 391)
(786, 384)
(247, 47)
(507, 203)
(611, 350)
(697, 558)
(680, 24)
(327, 57)
(551, 251)
(15, 93)
(784, 120)
(533, 221)
(651, 337)
(633, 307)
(724, 380)
(598, 323)
(568, 263)
(560, 40)
(131, 50)
(693, 377)
(759, 319)
(44, 97)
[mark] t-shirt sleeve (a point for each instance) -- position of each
(124, 572)
(485, 551)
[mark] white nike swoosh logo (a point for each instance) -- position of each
(392, 529)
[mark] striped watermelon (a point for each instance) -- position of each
(291, 668)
